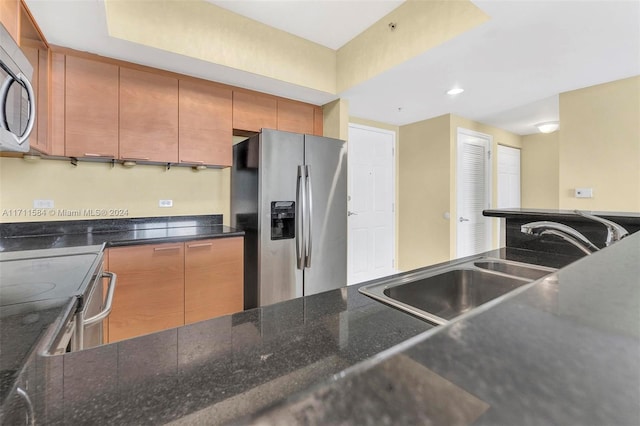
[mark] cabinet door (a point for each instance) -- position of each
(148, 116)
(149, 295)
(214, 278)
(91, 108)
(37, 52)
(318, 121)
(9, 16)
(205, 129)
(253, 111)
(295, 117)
(57, 118)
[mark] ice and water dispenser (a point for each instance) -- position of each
(283, 220)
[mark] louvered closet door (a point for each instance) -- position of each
(473, 193)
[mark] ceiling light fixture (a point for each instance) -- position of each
(548, 126)
(455, 91)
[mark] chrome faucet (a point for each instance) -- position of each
(615, 232)
(565, 232)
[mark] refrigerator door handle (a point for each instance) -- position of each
(300, 208)
(309, 195)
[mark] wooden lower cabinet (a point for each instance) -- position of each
(162, 286)
(213, 278)
(149, 295)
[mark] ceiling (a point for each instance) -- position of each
(512, 67)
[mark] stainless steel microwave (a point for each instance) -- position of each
(17, 100)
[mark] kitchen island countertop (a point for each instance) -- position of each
(563, 350)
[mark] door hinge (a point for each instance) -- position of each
(489, 155)
(393, 207)
(393, 263)
(393, 151)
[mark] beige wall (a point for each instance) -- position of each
(421, 25)
(335, 117)
(99, 186)
(424, 192)
(600, 146)
(427, 182)
(204, 31)
(539, 169)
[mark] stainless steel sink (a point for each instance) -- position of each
(443, 293)
(511, 268)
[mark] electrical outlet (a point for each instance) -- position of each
(165, 203)
(42, 204)
(584, 192)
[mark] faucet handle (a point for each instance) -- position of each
(615, 232)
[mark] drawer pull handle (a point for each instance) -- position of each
(192, 162)
(200, 245)
(135, 158)
(89, 154)
(166, 248)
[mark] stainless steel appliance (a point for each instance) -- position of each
(17, 100)
(289, 195)
(28, 279)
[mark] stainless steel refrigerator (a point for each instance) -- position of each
(289, 195)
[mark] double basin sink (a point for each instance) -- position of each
(440, 294)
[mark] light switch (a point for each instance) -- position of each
(165, 203)
(584, 192)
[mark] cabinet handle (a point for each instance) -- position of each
(166, 248)
(89, 154)
(135, 158)
(199, 245)
(192, 162)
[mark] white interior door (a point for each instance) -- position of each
(371, 216)
(508, 177)
(473, 230)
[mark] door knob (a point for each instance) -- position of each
(463, 219)
(352, 214)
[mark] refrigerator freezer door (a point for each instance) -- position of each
(326, 161)
(280, 155)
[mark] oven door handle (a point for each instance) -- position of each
(108, 302)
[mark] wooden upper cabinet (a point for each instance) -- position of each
(57, 115)
(91, 108)
(149, 294)
(148, 116)
(295, 116)
(37, 51)
(205, 123)
(10, 17)
(318, 121)
(254, 111)
(214, 278)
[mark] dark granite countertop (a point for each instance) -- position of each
(112, 232)
(555, 213)
(564, 350)
(229, 367)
